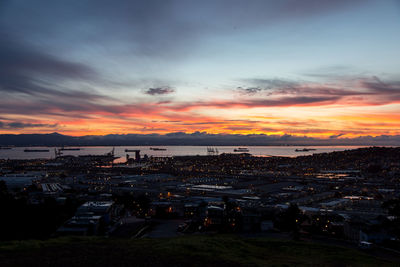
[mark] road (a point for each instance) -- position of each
(164, 228)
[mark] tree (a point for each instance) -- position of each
(393, 207)
(233, 215)
(3, 188)
(290, 220)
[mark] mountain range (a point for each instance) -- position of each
(195, 139)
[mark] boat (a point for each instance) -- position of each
(158, 149)
(305, 149)
(70, 148)
(36, 150)
(105, 158)
(99, 160)
(241, 149)
(131, 150)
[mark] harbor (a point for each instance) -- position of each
(121, 151)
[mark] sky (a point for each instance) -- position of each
(314, 68)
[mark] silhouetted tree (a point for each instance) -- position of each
(393, 207)
(3, 188)
(233, 215)
(290, 220)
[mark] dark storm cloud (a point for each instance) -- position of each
(289, 101)
(368, 89)
(37, 76)
(25, 69)
(149, 28)
(302, 88)
(258, 103)
(46, 101)
(249, 90)
(336, 136)
(21, 125)
(52, 104)
(377, 85)
(167, 28)
(34, 34)
(81, 104)
(24, 58)
(160, 91)
(268, 85)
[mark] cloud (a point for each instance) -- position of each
(347, 90)
(33, 82)
(359, 92)
(268, 84)
(258, 103)
(26, 69)
(377, 86)
(239, 128)
(168, 29)
(21, 125)
(72, 103)
(336, 136)
(160, 91)
(281, 87)
(249, 90)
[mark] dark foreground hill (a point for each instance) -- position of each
(183, 251)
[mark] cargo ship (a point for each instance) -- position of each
(105, 158)
(69, 149)
(305, 149)
(158, 149)
(36, 150)
(241, 149)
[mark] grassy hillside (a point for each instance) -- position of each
(183, 251)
